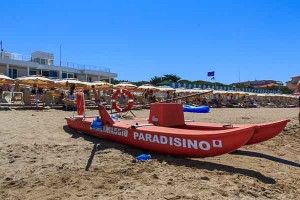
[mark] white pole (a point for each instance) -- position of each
(83, 106)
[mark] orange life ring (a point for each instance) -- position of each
(80, 103)
(130, 100)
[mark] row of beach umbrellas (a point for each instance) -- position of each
(40, 81)
(65, 83)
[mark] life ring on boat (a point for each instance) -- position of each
(80, 103)
(130, 100)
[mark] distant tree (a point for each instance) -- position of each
(115, 81)
(283, 89)
(139, 83)
(155, 80)
(171, 77)
(202, 82)
(184, 81)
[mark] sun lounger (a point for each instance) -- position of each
(18, 96)
(7, 96)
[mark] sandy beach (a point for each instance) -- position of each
(41, 158)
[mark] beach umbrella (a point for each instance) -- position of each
(181, 90)
(35, 80)
(125, 86)
(147, 87)
(5, 79)
(101, 85)
(165, 88)
(65, 83)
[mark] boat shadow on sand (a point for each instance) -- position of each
(101, 144)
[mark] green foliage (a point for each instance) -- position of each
(208, 83)
(156, 80)
(185, 81)
(171, 77)
(283, 89)
(167, 77)
(139, 83)
(115, 81)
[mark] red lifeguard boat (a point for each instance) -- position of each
(167, 132)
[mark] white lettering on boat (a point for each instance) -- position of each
(178, 142)
(217, 143)
(115, 131)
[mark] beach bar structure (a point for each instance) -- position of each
(42, 63)
(292, 84)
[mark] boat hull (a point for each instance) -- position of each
(266, 131)
(173, 141)
(262, 132)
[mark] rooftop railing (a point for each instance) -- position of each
(83, 67)
(73, 65)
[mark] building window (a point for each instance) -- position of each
(67, 75)
(53, 74)
(13, 73)
(43, 61)
(32, 72)
(64, 75)
(45, 73)
(37, 60)
(50, 62)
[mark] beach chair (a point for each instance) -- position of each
(7, 96)
(48, 99)
(28, 100)
(6, 99)
(69, 102)
(18, 96)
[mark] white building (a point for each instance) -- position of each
(42, 63)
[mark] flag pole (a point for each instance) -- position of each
(1, 48)
(60, 55)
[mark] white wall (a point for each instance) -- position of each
(81, 77)
(2, 69)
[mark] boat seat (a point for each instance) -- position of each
(105, 117)
(166, 114)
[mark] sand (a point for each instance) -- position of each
(41, 158)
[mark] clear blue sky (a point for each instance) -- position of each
(139, 39)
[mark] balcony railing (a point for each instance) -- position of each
(73, 65)
(83, 67)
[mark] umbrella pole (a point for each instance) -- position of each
(83, 106)
(36, 91)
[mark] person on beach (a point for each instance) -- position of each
(96, 95)
(168, 97)
(298, 89)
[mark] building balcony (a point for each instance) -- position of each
(64, 64)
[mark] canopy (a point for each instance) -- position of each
(32, 80)
(5, 79)
(165, 88)
(147, 86)
(64, 83)
(125, 85)
(101, 85)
